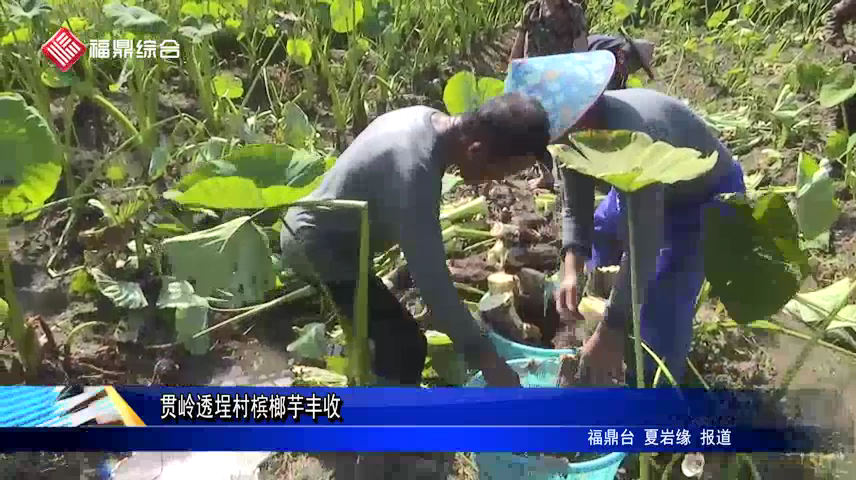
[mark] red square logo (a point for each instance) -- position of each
(63, 49)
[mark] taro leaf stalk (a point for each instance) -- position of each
(146, 79)
(630, 161)
(199, 65)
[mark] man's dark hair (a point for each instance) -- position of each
(510, 125)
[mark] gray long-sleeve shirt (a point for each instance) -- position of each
(396, 167)
(663, 118)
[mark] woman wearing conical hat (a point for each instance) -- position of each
(572, 88)
(552, 27)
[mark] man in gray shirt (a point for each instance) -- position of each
(396, 165)
(669, 239)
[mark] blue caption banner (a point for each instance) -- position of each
(461, 406)
(408, 419)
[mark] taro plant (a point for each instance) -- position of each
(145, 74)
(464, 92)
(253, 177)
(30, 171)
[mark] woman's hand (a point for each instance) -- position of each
(602, 357)
(567, 296)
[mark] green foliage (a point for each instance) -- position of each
(299, 51)
(227, 85)
(28, 9)
(814, 306)
(32, 164)
(839, 88)
(233, 257)
(123, 294)
(231, 260)
(816, 208)
(198, 34)
(299, 130)
(716, 19)
(4, 312)
(311, 342)
(747, 247)
(179, 294)
(450, 182)
(443, 360)
(346, 14)
(253, 177)
(464, 92)
(54, 78)
(631, 160)
(135, 19)
(622, 9)
(82, 283)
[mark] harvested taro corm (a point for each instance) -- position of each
(569, 366)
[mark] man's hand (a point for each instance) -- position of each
(496, 371)
(567, 296)
(602, 357)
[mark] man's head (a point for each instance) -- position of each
(505, 135)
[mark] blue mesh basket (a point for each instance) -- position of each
(508, 466)
(511, 350)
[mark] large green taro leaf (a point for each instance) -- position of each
(253, 177)
(231, 260)
(752, 258)
(233, 257)
(30, 166)
(265, 164)
(631, 160)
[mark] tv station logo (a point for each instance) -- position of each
(63, 49)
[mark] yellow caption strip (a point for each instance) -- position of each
(129, 417)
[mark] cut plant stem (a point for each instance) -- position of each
(464, 233)
(477, 206)
(497, 311)
(499, 283)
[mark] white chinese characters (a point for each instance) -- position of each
(720, 437)
(258, 408)
(610, 437)
(125, 48)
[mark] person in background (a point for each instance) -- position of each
(550, 27)
(671, 263)
(630, 56)
(842, 13)
(396, 166)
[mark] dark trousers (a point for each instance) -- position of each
(400, 347)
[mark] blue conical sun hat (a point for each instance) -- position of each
(567, 85)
